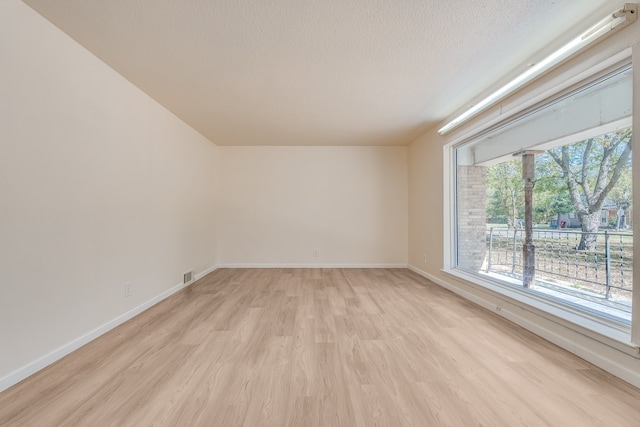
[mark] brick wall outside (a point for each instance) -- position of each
(471, 190)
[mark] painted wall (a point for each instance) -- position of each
(425, 203)
(280, 204)
(99, 185)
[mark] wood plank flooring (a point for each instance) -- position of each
(319, 347)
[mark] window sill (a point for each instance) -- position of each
(601, 329)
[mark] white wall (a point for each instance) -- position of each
(99, 185)
(279, 204)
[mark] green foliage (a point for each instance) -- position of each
(505, 198)
(574, 178)
(622, 193)
(591, 170)
(593, 163)
(550, 193)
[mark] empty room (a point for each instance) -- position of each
(337, 213)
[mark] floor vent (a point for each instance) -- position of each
(188, 277)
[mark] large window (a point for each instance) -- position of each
(543, 202)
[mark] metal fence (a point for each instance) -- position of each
(606, 270)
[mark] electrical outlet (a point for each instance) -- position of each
(316, 253)
(128, 289)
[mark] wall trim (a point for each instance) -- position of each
(31, 368)
(202, 274)
(276, 265)
(617, 367)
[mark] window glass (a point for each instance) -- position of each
(568, 237)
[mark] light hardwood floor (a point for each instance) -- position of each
(319, 348)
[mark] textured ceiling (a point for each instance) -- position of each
(308, 72)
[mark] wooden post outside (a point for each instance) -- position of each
(528, 249)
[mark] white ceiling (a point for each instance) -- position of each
(318, 72)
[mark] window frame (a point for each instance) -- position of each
(574, 75)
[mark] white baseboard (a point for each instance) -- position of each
(620, 364)
(205, 272)
(57, 354)
(455, 289)
(275, 265)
